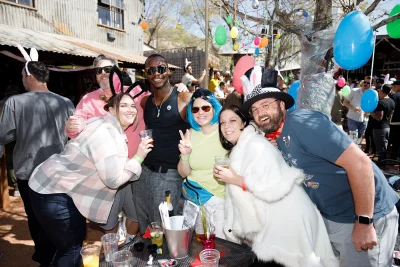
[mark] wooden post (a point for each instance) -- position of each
(4, 196)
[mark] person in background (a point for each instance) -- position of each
(336, 113)
(356, 117)
(92, 105)
(189, 80)
(351, 192)
(395, 125)
(219, 91)
(281, 84)
(259, 183)
(198, 147)
(381, 128)
(36, 121)
(164, 113)
(82, 181)
(227, 78)
(214, 82)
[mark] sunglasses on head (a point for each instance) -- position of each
(204, 108)
(106, 69)
(152, 70)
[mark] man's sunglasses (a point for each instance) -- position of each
(366, 83)
(204, 108)
(152, 70)
(106, 69)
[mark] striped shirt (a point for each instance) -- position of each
(90, 169)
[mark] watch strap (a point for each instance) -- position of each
(364, 219)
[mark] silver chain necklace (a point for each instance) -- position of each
(162, 102)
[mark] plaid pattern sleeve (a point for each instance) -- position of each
(90, 169)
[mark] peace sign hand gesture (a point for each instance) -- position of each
(185, 147)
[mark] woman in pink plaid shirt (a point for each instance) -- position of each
(81, 182)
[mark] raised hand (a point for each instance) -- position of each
(181, 88)
(75, 125)
(185, 146)
(145, 147)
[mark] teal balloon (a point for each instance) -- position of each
(293, 89)
(257, 51)
(220, 35)
(229, 20)
(346, 90)
(369, 100)
(393, 28)
(354, 41)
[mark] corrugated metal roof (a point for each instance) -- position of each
(43, 41)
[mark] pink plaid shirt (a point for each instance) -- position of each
(90, 169)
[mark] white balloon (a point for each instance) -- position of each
(254, 4)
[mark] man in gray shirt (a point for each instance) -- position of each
(36, 121)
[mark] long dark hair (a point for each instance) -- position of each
(114, 102)
(225, 143)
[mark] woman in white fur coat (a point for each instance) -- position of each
(265, 202)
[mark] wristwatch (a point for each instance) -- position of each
(364, 219)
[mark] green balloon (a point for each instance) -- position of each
(237, 23)
(220, 35)
(346, 90)
(229, 20)
(393, 28)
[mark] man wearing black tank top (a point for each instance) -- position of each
(165, 114)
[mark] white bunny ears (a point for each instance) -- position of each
(33, 56)
(187, 62)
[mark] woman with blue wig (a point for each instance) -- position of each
(198, 147)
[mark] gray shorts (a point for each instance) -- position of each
(123, 201)
(340, 235)
(149, 192)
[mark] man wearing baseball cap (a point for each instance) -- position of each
(350, 191)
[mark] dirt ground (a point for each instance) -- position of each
(15, 240)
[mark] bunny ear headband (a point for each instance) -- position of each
(187, 62)
(33, 56)
(116, 70)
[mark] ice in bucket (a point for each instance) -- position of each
(178, 239)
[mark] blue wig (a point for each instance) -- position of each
(206, 95)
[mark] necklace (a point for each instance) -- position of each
(162, 102)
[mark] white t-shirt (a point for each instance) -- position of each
(187, 78)
(355, 100)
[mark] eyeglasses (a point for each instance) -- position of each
(204, 108)
(152, 70)
(263, 106)
(366, 83)
(106, 69)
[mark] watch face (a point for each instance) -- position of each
(364, 220)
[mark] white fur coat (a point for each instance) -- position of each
(275, 214)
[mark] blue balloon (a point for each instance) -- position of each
(257, 51)
(354, 41)
(369, 100)
(293, 89)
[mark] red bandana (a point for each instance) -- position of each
(277, 133)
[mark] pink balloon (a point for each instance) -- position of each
(244, 64)
(257, 41)
(341, 82)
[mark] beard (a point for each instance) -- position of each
(274, 122)
(104, 84)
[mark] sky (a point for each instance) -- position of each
(387, 5)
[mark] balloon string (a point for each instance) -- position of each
(373, 57)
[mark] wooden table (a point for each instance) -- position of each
(234, 255)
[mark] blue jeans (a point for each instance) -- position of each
(63, 224)
(357, 125)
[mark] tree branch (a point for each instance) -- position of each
(386, 21)
(372, 7)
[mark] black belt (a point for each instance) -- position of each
(156, 168)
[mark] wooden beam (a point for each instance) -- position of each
(4, 196)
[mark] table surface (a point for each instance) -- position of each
(233, 254)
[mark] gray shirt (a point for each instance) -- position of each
(36, 120)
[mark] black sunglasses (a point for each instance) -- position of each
(366, 82)
(106, 69)
(152, 70)
(204, 108)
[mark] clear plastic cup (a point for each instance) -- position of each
(147, 133)
(222, 161)
(209, 257)
(156, 233)
(110, 245)
(122, 258)
(90, 256)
